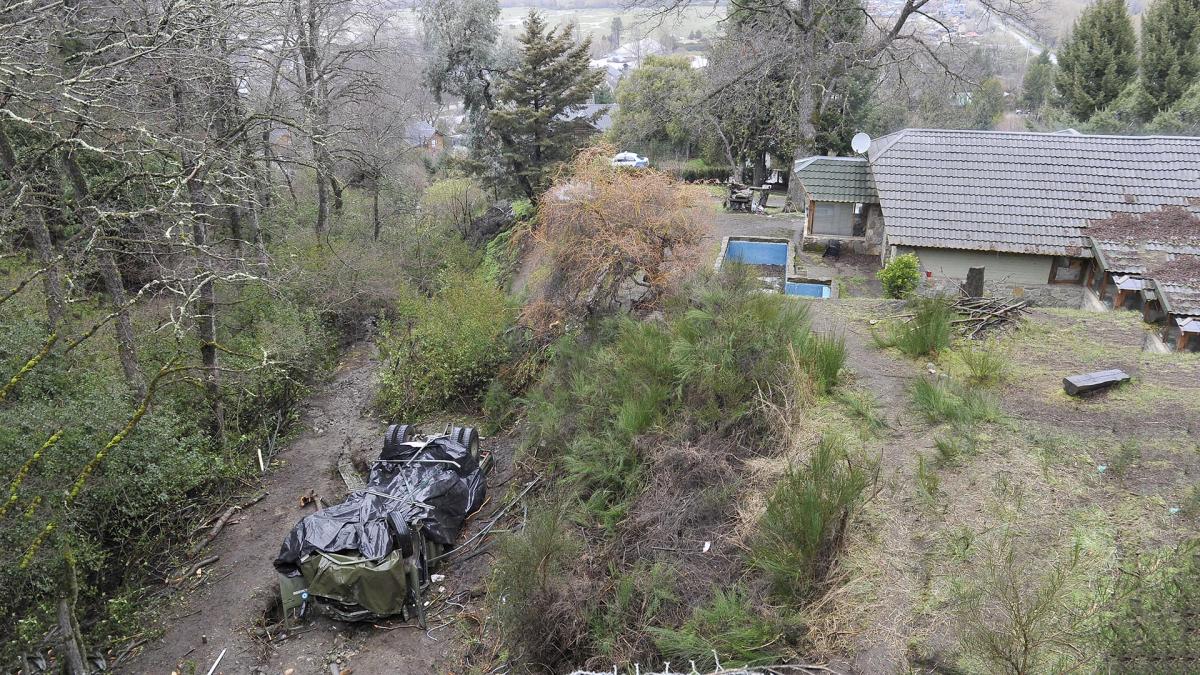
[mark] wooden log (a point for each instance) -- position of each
(1089, 382)
(974, 287)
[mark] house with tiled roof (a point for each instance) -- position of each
(1019, 204)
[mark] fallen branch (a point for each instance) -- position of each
(195, 568)
(221, 522)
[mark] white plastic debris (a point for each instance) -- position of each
(707, 545)
(437, 577)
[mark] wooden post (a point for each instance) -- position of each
(1184, 338)
(974, 287)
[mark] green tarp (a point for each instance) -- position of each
(379, 586)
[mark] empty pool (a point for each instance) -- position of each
(757, 252)
(808, 290)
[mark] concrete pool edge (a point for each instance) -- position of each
(821, 281)
(789, 267)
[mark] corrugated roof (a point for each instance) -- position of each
(836, 179)
(1024, 192)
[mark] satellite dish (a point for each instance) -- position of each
(860, 142)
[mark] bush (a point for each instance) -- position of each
(637, 598)
(944, 401)
(530, 592)
(453, 203)
(900, 276)
(727, 627)
(697, 170)
(1151, 621)
(928, 330)
(951, 447)
(826, 354)
(985, 364)
(442, 350)
(801, 532)
(864, 406)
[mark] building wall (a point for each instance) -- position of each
(833, 219)
(1005, 274)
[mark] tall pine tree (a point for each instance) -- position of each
(1038, 82)
(1098, 59)
(535, 100)
(1170, 51)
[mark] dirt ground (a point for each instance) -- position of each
(231, 600)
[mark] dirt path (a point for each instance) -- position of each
(221, 612)
(881, 647)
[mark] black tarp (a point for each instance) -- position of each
(437, 485)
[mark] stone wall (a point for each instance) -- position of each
(1042, 295)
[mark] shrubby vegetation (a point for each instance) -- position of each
(900, 276)
(927, 331)
(645, 423)
(443, 350)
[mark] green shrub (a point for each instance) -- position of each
(529, 591)
(453, 203)
(825, 354)
(500, 408)
(1151, 624)
(928, 481)
(943, 400)
(985, 364)
(442, 350)
(697, 169)
(801, 531)
(1127, 454)
(638, 596)
(727, 627)
(864, 406)
(900, 276)
(951, 447)
(928, 330)
(700, 370)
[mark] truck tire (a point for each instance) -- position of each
(394, 439)
(467, 437)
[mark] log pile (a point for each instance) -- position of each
(980, 315)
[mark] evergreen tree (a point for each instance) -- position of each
(534, 100)
(1170, 51)
(1098, 59)
(987, 105)
(1038, 83)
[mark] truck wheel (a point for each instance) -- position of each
(468, 437)
(394, 438)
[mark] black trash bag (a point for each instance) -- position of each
(437, 485)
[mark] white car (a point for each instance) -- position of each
(630, 159)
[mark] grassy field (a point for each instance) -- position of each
(1008, 513)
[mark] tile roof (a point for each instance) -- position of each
(1024, 192)
(836, 179)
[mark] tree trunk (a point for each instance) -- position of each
(39, 234)
(206, 306)
(110, 275)
(375, 209)
(336, 187)
(74, 651)
(760, 168)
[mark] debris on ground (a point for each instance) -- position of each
(984, 314)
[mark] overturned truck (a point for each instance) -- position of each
(373, 555)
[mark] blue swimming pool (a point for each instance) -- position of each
(757, 252)
(807, 290)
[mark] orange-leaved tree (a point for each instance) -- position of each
(610, 237)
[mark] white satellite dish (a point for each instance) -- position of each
(860, 143)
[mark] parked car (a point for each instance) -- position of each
(630, 159)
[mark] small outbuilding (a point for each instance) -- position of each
(839, 202)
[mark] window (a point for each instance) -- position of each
(1064, 270)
